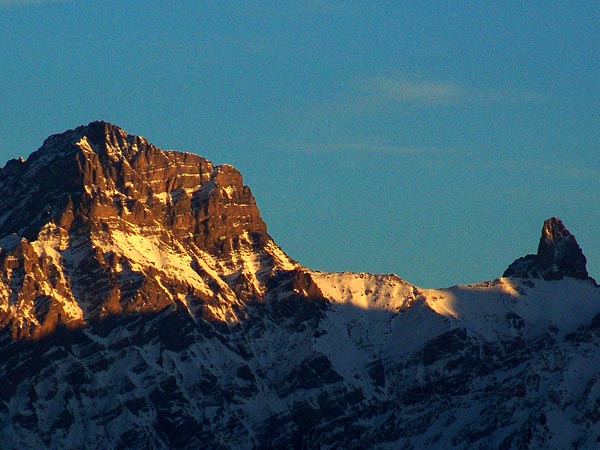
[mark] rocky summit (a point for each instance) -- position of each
(143, 305)
(98, 223)
(558, 256)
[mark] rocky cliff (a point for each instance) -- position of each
(85, 210)
(144, 306)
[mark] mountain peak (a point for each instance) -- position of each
(96, 199)
(99, 137)
(558, 256)
(102, 132)
(106, 173)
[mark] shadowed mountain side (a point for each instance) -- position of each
(275, 380)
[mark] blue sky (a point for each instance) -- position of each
(428, 139)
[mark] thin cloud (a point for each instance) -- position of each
(539, 166)
(28, 2)
(378, 94)
(438, 92)
(577, 172)
(399, 89)
(360, 147)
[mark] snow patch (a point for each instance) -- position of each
(364, 290)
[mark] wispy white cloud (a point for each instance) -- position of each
(422, 91)
(28, 2)
(549, 169)
(438, 92)
(377, 94)
(314, 147)
(578, 172)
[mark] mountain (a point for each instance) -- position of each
(144, 306)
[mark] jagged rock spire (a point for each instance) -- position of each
(558, 256)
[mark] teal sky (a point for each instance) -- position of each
(427, 139)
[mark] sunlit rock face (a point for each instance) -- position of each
(98, 222)
(144, 306)
(98, 173)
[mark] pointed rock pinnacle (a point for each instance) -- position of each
(558, 256)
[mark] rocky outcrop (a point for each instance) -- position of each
(558, 256)
(81, 209)
(98, 172)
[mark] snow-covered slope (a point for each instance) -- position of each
(144, 305)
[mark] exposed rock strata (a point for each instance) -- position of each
(78, 208)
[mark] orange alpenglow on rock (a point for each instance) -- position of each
(79, 212)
